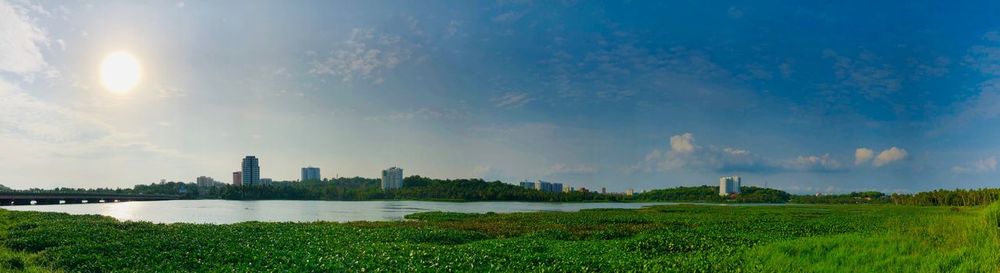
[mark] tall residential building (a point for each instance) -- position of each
(251, 171)
(266, 181)
(629, 192)
(729, 185)
(310, 173)
(392, 178)
(237, 179)
(528, 185)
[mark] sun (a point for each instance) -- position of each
(120, 72)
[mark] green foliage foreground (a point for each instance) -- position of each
(679, 238)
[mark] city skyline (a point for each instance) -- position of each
(803, 97)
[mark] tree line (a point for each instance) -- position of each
(706, 193)
(423, 188)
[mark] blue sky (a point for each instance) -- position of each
(805, 97)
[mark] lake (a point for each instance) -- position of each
(230, 211)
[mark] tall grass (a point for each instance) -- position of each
(947, 240)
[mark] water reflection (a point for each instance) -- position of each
(226, 211)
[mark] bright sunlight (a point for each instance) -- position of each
(120, 72)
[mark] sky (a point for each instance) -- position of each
(805, 97)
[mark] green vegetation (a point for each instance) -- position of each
(674, 238)
(957, 197)
(423, 188)
(711, 194)
(868, 197)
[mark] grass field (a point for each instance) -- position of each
(685, 238)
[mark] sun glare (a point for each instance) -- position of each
(120, 72)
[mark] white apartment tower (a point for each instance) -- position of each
(392, 178)
(729, 185)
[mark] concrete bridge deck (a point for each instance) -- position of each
(29, 198)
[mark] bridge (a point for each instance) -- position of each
(45, 198)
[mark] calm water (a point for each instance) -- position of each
(226, 211)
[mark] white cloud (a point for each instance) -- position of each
(367, 55)
(512, 100)
(888, 156)
(863, 155)
(988, 164)
(683, 143)
(685, 153)
(19, 48)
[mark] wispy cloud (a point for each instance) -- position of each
(424, 113)
(512, 100)
(988, 164)
(366, 55)
(508, 17)
(570, 169)
(20, 50)
(814, 163)
(866, 73)
(57, 130)
(452, 28)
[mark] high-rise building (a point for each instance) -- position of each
(310, 173)
(266, 181)
(237, 179)
(629, 192)
(392, 178)
(251, 171)
(528, 185)
(729, 185)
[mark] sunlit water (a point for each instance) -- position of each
(226, 211)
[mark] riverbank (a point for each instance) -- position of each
(682, 238)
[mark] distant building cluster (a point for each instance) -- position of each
(543, 186)
(392, 178)
(249, 175)
(729, 185)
